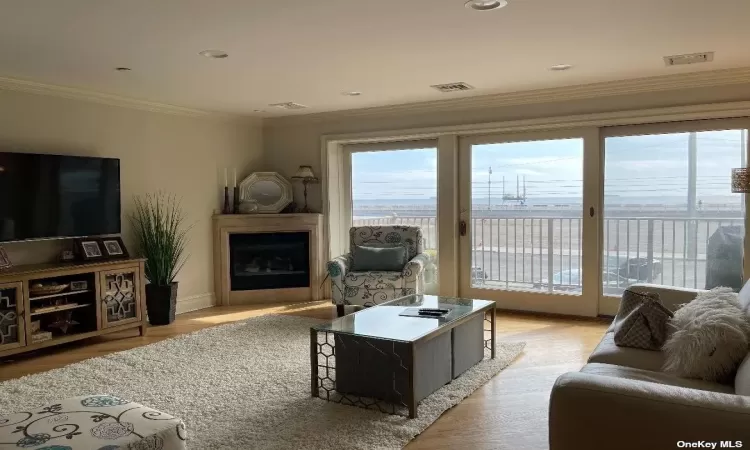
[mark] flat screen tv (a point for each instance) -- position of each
(55, 196)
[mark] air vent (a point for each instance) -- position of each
(691, 58)
(288, 105)
(453, 87)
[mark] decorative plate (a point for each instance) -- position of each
(47, 290)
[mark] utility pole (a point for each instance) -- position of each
(692, 237)
(489, 190)
(743, 162)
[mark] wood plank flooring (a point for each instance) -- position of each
(509, 412)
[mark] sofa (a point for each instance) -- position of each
(621, 399)
(363, 289)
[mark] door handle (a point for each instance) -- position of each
(591, 212)
(462, 228)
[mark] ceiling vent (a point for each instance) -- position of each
(453, 87)
(288, 105)
(691, 58)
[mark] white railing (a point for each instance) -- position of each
(526, 252)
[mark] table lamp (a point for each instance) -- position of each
(306, 176)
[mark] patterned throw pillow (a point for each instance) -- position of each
(641, 321)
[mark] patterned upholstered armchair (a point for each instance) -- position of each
(375, 287)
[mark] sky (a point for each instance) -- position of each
(650, 168)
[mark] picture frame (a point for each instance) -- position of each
(67, 256)
(4, 260)
(89, 249)
(114, 247)
(79, 286)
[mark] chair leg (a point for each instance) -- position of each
(340, 310)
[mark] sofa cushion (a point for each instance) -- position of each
(742, 379)
(744, 298)
(609, 353)
(655, 377)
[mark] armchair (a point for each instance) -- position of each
(375, 287)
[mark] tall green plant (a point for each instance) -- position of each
(159, 224)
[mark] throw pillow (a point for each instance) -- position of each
(709, 337)
(641, 321)
(378, 259)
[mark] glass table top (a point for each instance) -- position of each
(383, 321)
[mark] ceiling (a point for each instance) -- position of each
(310, 52)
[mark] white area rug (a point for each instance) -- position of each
(244, 386)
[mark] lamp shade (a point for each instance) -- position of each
(741, 180)
(305, 173)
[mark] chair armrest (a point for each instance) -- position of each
(415, 266)
(671, 297)
(589, 411)
(337, 269)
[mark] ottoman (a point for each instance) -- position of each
(92, 422)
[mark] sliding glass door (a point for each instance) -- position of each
(670, 216)
(523, 223)
(396, 184)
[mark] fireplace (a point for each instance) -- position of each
(269, 260)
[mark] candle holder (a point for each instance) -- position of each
(227, 207)
(236, 200)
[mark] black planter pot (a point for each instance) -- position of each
(161, 302)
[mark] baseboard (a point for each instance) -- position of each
(195, 302)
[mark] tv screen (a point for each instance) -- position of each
(55, 196)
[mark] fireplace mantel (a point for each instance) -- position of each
(225, 225)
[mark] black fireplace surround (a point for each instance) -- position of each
(269, 260)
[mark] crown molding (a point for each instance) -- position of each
(71, 93)
(549, 95)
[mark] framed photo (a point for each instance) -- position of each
(79, 286)
(4, 260)
(114, 247)
(89, 249)
(67, 256)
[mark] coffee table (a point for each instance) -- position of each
(378, 359)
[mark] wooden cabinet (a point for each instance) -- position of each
(119, 297)
(97, 298)
(12, 321)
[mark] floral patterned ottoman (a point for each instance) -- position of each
(93, 422)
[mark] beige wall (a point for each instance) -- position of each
(158, 151)
(291, 141)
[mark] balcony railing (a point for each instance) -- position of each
(528, 252)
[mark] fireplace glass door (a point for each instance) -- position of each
(269, 260)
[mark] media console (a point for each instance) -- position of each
(43, 305)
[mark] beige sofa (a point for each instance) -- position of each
(622, 400)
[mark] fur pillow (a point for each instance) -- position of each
(709, 337)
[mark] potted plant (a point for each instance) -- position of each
(158, 223)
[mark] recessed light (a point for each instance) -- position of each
(486, 5)
(560, 67)
(214, 54)
(123, 69)
(351, 93)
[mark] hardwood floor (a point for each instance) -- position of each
(509, 412)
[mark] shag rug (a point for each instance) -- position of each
(244, 386)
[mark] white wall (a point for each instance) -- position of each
(291, 141)
(158, 151)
